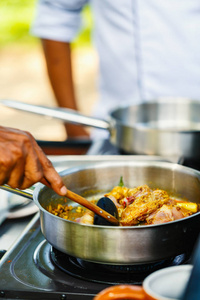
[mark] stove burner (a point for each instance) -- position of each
(110, 274)
(134, 269)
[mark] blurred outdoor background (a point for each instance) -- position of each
(23, 74)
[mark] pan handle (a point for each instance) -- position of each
(63, 114)
(27, 193)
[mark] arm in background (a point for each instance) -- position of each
(59, 66)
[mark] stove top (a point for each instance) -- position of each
(34, 269)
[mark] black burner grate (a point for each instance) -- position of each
(110, 274)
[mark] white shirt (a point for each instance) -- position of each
(147, 48)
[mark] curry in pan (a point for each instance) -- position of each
(136, 206)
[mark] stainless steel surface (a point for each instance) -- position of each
(122, 245)
(166, 127)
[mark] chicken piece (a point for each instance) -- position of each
(171, 202)
(161, 195)
(180, 212)
(87, 218)
(167, 214)
(161, 215)
(146, 202)
(142, 190)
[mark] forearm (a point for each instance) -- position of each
(58, 60)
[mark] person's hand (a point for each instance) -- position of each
(23, 163)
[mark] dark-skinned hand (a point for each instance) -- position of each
(23, 163)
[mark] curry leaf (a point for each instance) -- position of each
(121, 182)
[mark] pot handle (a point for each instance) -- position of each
(120, 292)
(27, 193)
(63, 114)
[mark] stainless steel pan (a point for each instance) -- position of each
(166, 127)
(122, 245)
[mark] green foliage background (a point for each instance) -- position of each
(16, 17)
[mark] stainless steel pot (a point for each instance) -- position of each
(166, 127)
(122, 245)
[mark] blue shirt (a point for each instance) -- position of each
(147, 48)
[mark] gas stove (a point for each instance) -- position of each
(32, 268)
